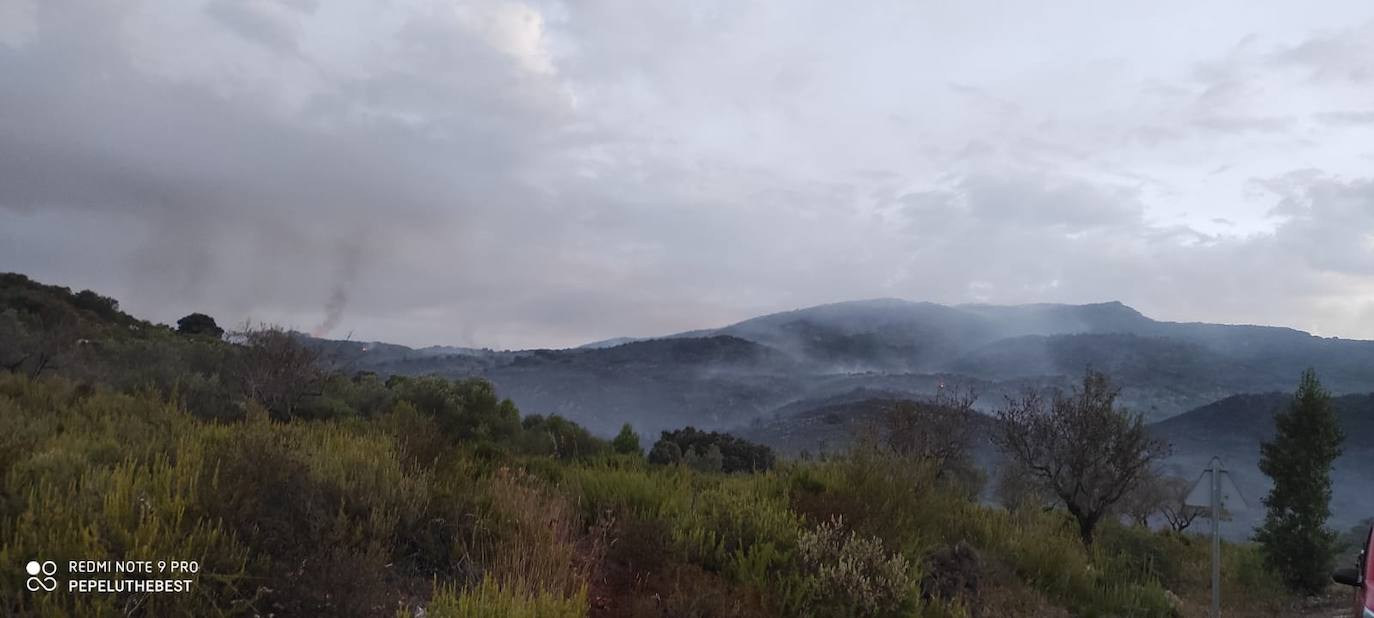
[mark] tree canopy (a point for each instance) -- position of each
(199, 324)
(1294, 536)
(1081, 447)
(627, 441)
(737, 454)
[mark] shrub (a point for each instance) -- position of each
(540, 547)
(855, 573)
(465, 409)
(557, 437)
(709, 462)
(417, 435)
(665, 453)
(1135, 554)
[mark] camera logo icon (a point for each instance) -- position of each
(41, 576)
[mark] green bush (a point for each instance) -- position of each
(854, 574)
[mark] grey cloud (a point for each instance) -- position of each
(208, 175)
(992, 102)
(544, 174)
(262, 21)
(1060, 204)
(1346, 118)
(1328, 222)
(1241, 124)
(1340, 55)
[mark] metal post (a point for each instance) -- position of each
(1216, 537)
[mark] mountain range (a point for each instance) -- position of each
(807, 380)
(756, 369)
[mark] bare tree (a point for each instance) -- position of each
(276, 370)
(1165, 495)
(939, 430)
(1175, 509)
(1145, 499)
(1081, 447)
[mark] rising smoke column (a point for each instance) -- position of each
(346, 272)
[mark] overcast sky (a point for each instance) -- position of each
(544, 174)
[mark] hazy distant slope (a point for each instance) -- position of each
(926, 336)
(885, 334)
(1057, 319)
(1165, 367)
(730, 374)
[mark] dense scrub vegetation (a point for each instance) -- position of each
(354, 495)
(469, 517)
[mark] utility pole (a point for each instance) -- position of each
(1216, 537)
(1216, 491)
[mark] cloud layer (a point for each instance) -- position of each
(545, 173)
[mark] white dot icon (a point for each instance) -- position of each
(33, 567)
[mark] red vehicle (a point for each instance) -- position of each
(1362, 578)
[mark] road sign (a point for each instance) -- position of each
(1228, 494)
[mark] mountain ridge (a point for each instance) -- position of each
(895, 345)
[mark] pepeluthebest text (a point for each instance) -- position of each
(129, 585)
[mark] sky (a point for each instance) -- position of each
(544, 174)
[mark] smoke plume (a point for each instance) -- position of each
(346, 273)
